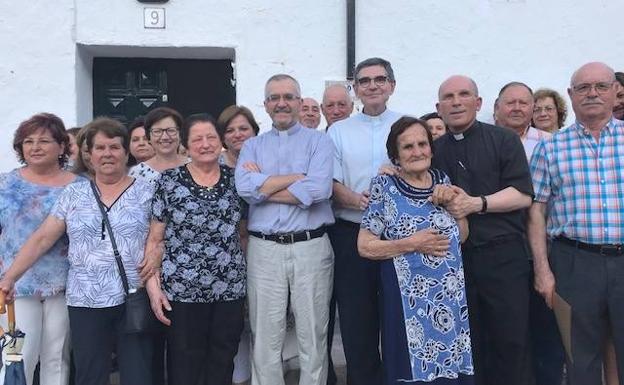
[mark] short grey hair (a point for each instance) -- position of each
(279, 77)
(512, 84)
(340, 87)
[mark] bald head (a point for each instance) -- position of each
(459, 79)
(592, 68)
(458, 102)
(337, 103)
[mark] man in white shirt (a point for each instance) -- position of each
(360, 151)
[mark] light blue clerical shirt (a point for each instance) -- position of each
(360, 143)
(298, 150)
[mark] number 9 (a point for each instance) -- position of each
(155, 18)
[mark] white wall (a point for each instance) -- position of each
(47, 47)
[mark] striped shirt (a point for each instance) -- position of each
(583, 182)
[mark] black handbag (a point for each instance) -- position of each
(138, 317)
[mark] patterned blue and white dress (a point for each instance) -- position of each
(425, 332)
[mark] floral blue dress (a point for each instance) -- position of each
(23, 207)
(425, 332)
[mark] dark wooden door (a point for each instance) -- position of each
(124, 88)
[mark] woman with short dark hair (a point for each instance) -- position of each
(95, 293)
(140, 148)
(236, 124)
(425, 332)
(27, 195)
(203, 271)
(162, 127)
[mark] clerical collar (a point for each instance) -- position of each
(464, 134)
(289, 131)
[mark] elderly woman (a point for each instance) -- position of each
(26, 197)
(550, 110)
(140, 148)
(162, 127)
(203, 272)
(425, 332)
(95, 295)
(236, 124)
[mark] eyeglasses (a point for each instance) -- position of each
(171, 131)
(285, 97)
(547, 109)
(585, 88)
(379, 81)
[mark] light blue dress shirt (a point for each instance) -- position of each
(360, 143)
(297, 150)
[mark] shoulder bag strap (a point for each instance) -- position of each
(120, 266)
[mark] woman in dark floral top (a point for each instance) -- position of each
(196, 212)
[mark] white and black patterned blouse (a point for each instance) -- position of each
(93, 280)
(203, 259)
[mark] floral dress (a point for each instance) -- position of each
(425, 332)
(203, 261)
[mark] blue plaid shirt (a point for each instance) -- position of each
(583, 182)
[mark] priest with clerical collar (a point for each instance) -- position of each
(488, 166)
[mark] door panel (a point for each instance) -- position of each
(125, 88)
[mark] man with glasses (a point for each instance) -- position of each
(360, 151)
(579, 203)
(488, 166)
(286, 177)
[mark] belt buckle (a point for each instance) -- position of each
(612, 250)
(286, 239)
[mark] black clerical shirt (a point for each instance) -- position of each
(483, 160)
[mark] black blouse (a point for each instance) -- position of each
(203, 259)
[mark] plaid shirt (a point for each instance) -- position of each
(583, 182)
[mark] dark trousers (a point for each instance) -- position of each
(546, 347)
(497, 289)
(593, 286)
(94, 333)
(331, 372)
(202, 342)
(356, 286)
(158, 357)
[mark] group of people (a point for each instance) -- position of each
(475, 253)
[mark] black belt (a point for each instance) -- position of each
(608, 249)
(288, 238)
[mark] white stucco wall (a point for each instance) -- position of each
(46, 48)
